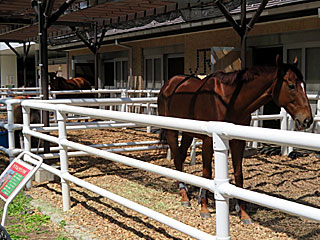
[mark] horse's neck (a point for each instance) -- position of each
(63, 84)
(257, 92)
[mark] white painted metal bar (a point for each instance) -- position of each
(290, 207)
(61, 117)
(221, 147)
(191, 231)
(292, 138)
(267, 117)
(221, 133)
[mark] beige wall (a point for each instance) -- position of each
(61, 69)
(197, 47)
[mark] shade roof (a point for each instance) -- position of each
(18, 21)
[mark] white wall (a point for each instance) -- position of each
(9, 75)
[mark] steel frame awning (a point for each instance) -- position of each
(19, 23)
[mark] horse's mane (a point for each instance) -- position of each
(229, 78)
(248, 74)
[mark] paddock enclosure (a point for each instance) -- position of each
(279, 176)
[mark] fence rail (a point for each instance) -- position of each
(221, 133)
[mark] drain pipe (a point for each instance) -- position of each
(130, 61)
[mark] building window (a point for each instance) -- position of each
(308, 58)
(312, 70)
(153, 72)
(116, 73)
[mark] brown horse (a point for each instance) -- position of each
(77, 83)
(230, 97)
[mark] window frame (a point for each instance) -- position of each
(303, 46)
(153, 57)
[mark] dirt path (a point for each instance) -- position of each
(277, 176)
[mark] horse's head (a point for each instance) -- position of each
(289, 92)
(53, 81)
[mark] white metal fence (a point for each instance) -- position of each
(221, 133)
(145, 105)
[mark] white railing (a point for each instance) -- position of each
(144, 104)
(221, 133)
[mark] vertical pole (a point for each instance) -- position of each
(193, 152)
(221, 146)
(43, 48)
(256, 124)
(284, 126)
(11, 140)
(36, 60)
(68, 65)
(24, 65)
(290, 127)
(63, 160)
(26, 138)
(243, 34)
(96, 57)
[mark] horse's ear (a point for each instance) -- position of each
(279, 61)
(295, 61)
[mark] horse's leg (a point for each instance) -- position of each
(237, 149)
(207, 152)
(179, 155)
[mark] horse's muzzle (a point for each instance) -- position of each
(303, 124)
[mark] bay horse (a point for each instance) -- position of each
(229, 97)
(78, 83)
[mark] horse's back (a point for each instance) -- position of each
(190, 97)
(181, 83)
(78, 83)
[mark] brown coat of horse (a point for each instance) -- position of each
(77, 83)
(229, 97)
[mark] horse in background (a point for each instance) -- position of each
(78, 83)
(229, 97)
(18, 118)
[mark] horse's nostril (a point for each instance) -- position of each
(307, 122)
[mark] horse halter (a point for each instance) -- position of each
(277, 86)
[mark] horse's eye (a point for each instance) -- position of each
(291, 86)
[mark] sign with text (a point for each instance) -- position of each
(12, 177)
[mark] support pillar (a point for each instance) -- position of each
(63, 160)
(221, 147)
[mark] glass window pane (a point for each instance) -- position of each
(149, 73)
(125, 73)
(292, 53)
(118, 74)
(157, 72)
(312, 69)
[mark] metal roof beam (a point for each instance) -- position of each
(54, 17)
(13, 49)
(6, 20)
(74, 24)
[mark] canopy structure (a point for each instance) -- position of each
(66, 24)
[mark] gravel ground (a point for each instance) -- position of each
(282, 177)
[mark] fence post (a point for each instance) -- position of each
(193, 152)
(11, 141)
(255, 124)
(291, 128)
(63, 160)
(221, 147)
(284, 126)
(148, 110)
(26, 138)
(124, 94)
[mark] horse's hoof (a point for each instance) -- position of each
(246, 221)
(186, 204)
(205, 215)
